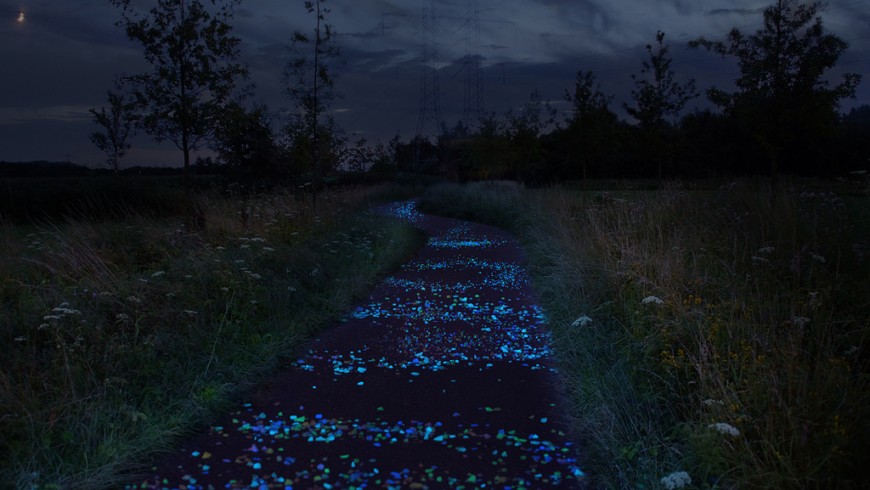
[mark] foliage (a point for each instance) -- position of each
(522, 130)
(658, 102)
(124, 335)
(244, 139)
(487, 159)
(714, 336)
(782, 95)
(330, 146)
(312, 89)
(591, 124)
(362, 156)
(192, 54)
(118, 125)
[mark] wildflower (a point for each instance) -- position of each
(819, 258)
(800, 321)
(122, 317)
(158, 274)
(677, 479)
(268, 249)
(291, 289)
(51, 317)
(65, 311)
(582, 321)
(189, 312)
(765, 250)
(134, 299)
(723, 428)
(652, 299)
(20, 339)
(758, 259)
(710, 402)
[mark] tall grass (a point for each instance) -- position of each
(719, 333)
(120, 336)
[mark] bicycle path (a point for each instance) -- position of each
(442, 379)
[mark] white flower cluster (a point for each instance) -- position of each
(677, 479)
(582, 321)
(58, 314)
(723, 428)
(652, 299)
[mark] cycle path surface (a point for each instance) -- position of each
(442, 378)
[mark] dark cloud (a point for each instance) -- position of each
(736, 11)
(64, 57)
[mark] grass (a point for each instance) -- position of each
(726, 332)
(122, 335)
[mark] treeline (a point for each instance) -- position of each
(704, 144)
(783, 116)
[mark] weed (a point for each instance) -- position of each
(123, 335)
(729, 341)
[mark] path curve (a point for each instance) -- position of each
(441, 379)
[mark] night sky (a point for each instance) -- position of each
(59, 57)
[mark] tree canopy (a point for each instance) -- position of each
(781, 96)
(194, 70)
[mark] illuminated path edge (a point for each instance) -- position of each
(442, 379)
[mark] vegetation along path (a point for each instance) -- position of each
(442, 379)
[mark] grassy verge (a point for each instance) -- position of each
(121, 336)
(711, 339)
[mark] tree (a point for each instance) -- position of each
(523, 131)
(313, 90)
(658, 100)
(243, 138)
(487, 159)
(781, 97)
(118, 123)
(591, 125)
(194, 70)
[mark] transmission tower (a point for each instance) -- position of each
(429, 108)
(472, 106)
(430, 96)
